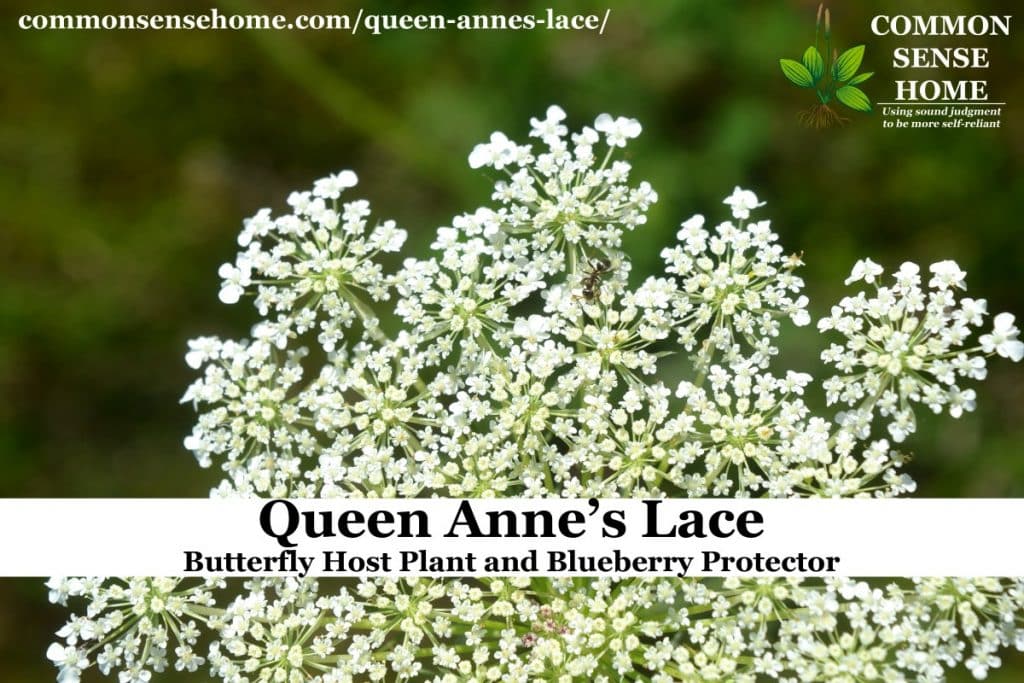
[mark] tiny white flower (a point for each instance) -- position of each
(618, 130)
(866, 270)
(534, 328)
(908, 276)
(497, 153)
(550, 128)
(69, 660)
(946, 274)
(332, 186)
(742, 202)
(135, 675)
(258, 226)
(201, 350)
(801, 318)
(691, 227)
(1003, 339)
(236, 279)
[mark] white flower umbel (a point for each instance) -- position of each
(526, 361)
(312, 267)
(907, 343)
(133, 626)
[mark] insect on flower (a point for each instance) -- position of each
(591, 283)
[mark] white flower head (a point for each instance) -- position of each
(946, 275)
(799, 314)
(534, 326)
(618, 130)
(258, 226)
(201, 350)
(551, 127)
(908, 276)
(235, 279)
(332, 186)
(69, 660)
(690, 227)
(1003, 339)
(497, 153)
(866, 270)
(742, 203)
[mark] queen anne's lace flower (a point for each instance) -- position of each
(133, 626)
(735, 286)
(1003, 339)
(909, 344)
(527, 362)
(742, 203)
(315, 264)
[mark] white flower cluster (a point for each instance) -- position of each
(526, 361)
(289, 631)
(132, 626)
(318, 259)
(906, 344)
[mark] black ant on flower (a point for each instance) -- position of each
(591, 284)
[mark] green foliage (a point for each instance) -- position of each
(814, 63)
(847, 63)
(797, 73)
(854, 98)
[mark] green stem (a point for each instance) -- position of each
(371, 323)
(370, 320)
(572, 260)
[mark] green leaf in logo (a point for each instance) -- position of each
(796, 72)
(847, 63)
(860, 78)
(814, 63)
(854, 98)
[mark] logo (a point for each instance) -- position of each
(831, 74)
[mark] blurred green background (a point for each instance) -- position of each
(127, 161)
